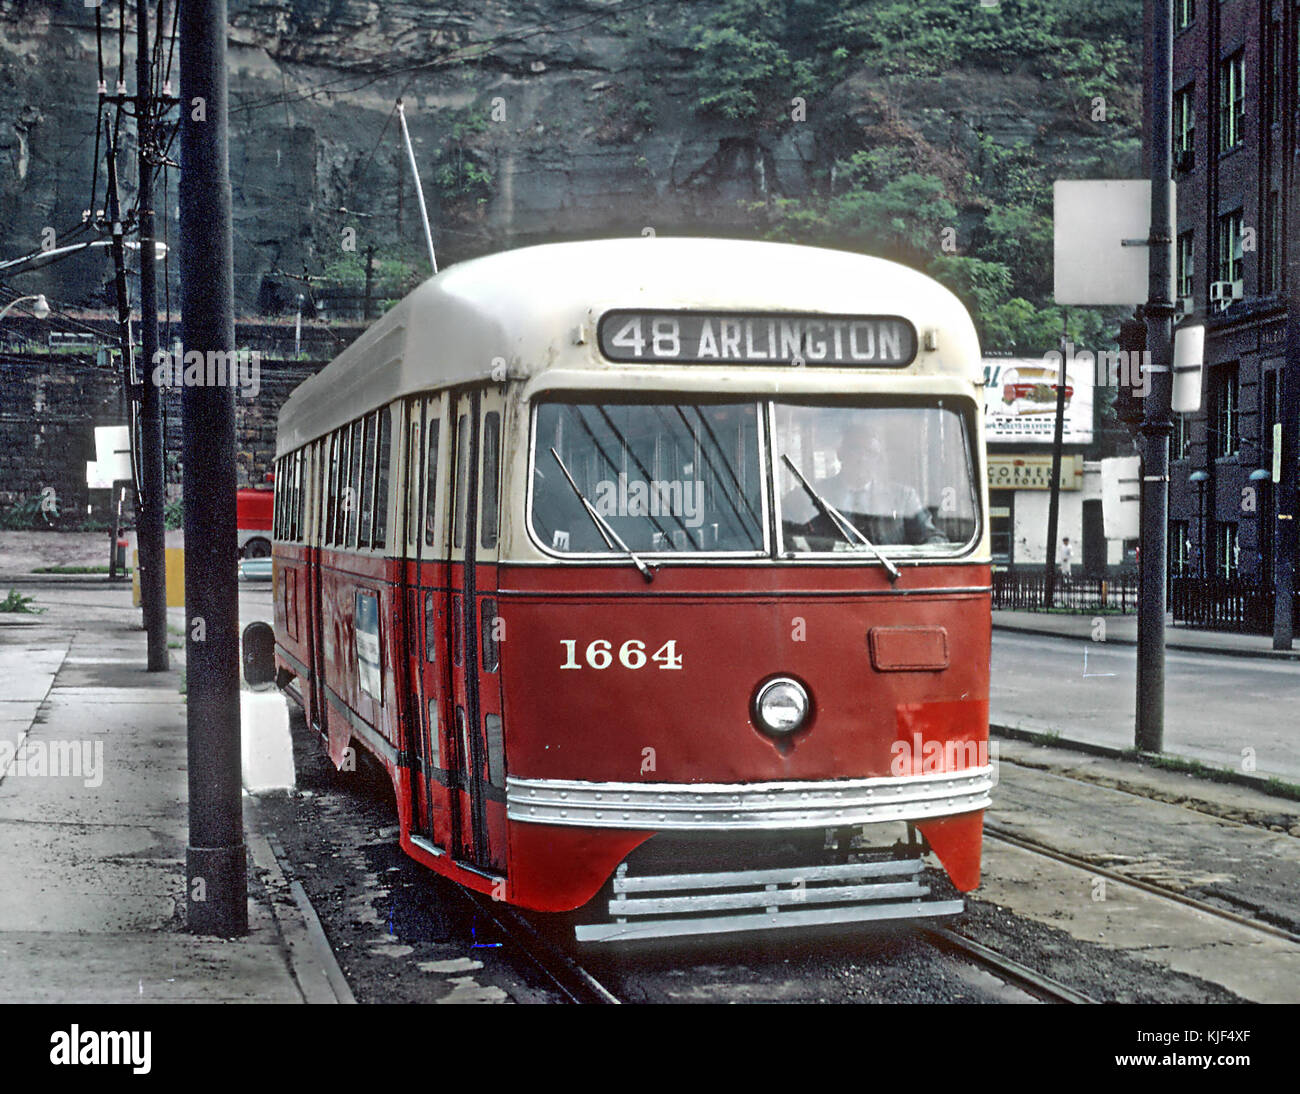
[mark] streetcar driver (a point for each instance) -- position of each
(885, 511)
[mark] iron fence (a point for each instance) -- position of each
(1238, 604)
(1027, 592)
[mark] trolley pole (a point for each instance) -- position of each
(216, 860)
(150, 532)
(1156, 424)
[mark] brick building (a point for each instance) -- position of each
(51, 402)
(1236, 78)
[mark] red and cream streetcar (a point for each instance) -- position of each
(655, 573)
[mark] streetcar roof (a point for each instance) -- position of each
(536, 308)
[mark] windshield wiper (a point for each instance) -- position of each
(607, 533)
(846, 527)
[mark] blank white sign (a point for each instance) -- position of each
(1092, 218)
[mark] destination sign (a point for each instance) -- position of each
(740, 338)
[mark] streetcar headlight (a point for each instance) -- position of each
(781, 705)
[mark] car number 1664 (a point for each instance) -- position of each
(631, 654)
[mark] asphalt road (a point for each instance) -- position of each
(1229, 711)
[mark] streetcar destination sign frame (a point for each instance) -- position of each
(815, 339)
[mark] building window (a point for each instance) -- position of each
(1226, 440)
(1230, 247)
(1270, 273)
(1001, 525)
(1180, 442)
(1184, 14)
(1274, 67)
(1186, 263)
(1227, 550)
(1185, 128)
(1232, 101)
(1179, 549)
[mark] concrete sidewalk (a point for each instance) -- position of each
(93, 817)
(1122, 629)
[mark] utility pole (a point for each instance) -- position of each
(150, 532)
(117, 248)
(1156, 424)
(1054, 499)
(216, 862)
(1285, 539)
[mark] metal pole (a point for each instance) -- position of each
(1285, 496)
(216, 860)
(150, 532)
(419, 188)
(1054, 500)
(1156, 424)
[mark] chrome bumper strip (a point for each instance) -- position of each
(723, 806)
(758, 900)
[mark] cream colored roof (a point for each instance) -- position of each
(525, 306)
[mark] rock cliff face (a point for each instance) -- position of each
(531, 121)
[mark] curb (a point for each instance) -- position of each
(311, 959)
(75, 581)
(1181, 647)
(1162, 760)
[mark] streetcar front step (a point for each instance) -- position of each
(771, 899)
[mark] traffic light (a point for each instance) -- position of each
(1133, 343)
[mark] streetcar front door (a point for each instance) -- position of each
(475, 631)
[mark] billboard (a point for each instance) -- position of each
(1020, 400)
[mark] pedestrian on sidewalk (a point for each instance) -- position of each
(1067, 558)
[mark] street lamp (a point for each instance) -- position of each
(42, 258)
(1264, 534)
(40, 309)
(1200, 478)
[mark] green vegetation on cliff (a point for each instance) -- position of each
(983, 227)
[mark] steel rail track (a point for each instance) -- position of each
(1035, 983)
(569, 978)
(1034, 847)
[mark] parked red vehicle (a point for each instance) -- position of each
(254, 512)
(655, 572)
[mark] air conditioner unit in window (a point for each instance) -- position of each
(1238, 290)
(1185, 307)
(1221, 295)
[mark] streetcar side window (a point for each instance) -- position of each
(367, 480)
(279, 503)
(413, 479)
(381, 478)
(352, 499)
(295, 514)
(489, 504)
(344, 501)
(462, 480)
(431, 481)
(332, 488)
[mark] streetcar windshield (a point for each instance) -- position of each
(900, 475)
(664, 477)
(883, 481)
